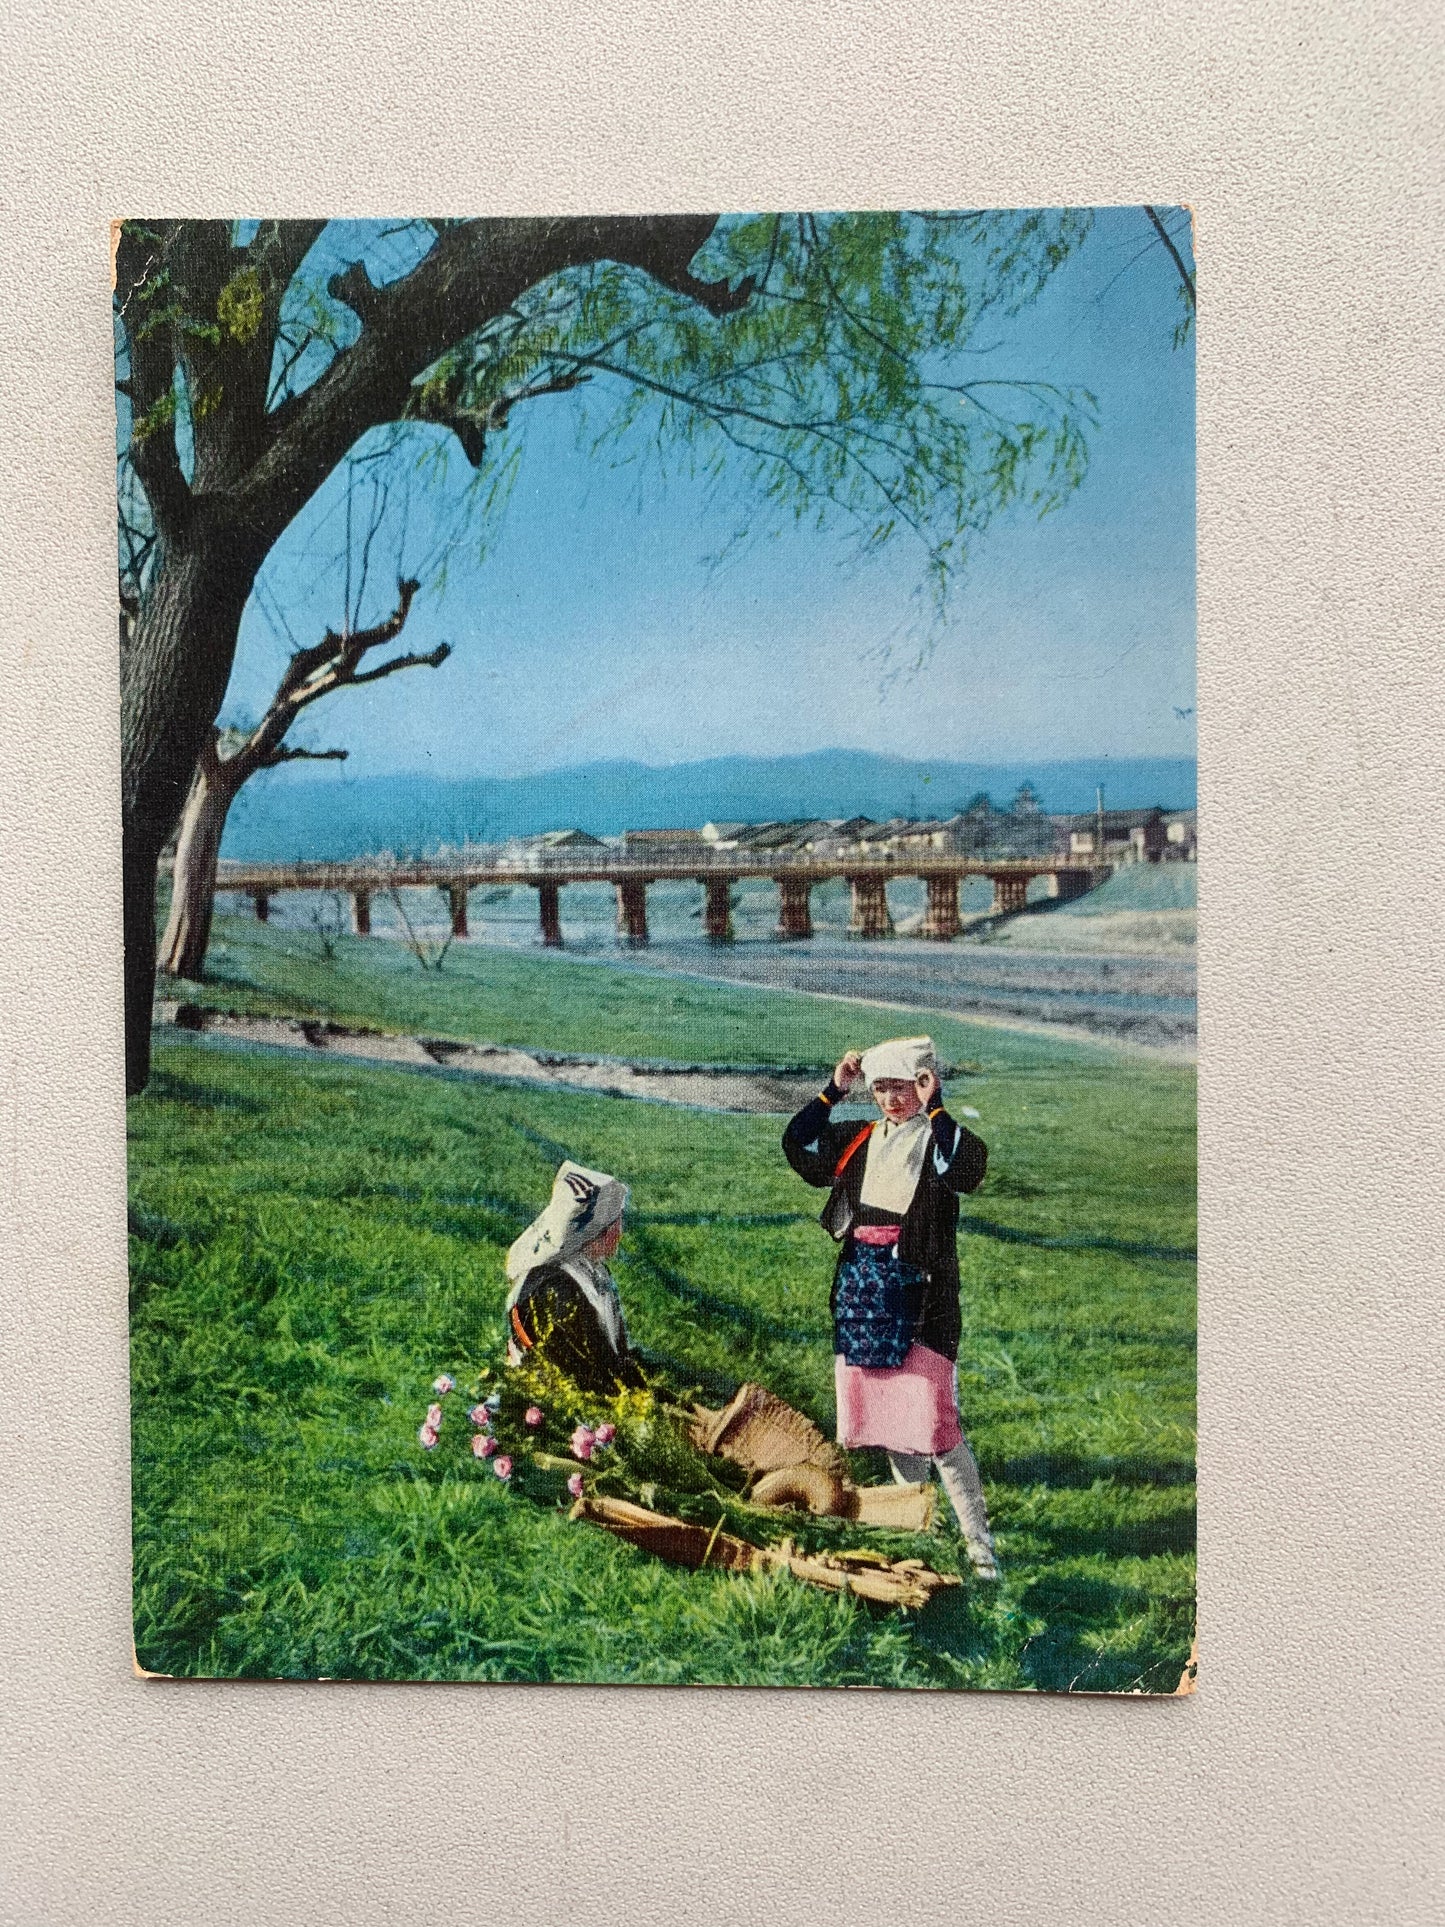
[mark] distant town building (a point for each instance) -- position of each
(526, 849)
(799, 833)
(981, 828)
(1154, 835)
(569, 840)
(660, 842)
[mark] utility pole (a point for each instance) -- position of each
(1099, 821)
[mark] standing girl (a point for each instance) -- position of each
(895, 1184)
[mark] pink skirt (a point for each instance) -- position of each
(912, 1407)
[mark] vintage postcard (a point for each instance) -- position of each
(660, 843)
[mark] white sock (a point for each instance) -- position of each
(958, 1475)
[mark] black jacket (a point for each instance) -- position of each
(814, 1145)
(554, 1318)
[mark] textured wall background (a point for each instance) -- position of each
(1302, 1783)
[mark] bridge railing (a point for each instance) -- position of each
(378, 872)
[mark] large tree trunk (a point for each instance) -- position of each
(193, 887)
(174, 671)
(252, 470)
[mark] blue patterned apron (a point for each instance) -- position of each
(875, 1306)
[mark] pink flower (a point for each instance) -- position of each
(574, 1485)
(583, 1440)
(533, 1416)
(434, 1417)
(446, 1383)
(503, 1467)
(483, 1445)
(428, 1438)
(479, 1415)
(606, 1433)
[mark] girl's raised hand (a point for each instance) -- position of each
(928, 1088)
(848, 1071)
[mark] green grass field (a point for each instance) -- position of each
(553, 1002)
(311, 1244)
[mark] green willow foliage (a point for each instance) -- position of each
(844, 390)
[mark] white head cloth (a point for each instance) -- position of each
(582, 1206)
(900, 1057)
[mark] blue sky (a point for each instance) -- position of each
(594, 625)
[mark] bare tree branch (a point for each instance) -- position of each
(138, 544)
(471, 426)
(1186, 278)
(280, 247)
(311, 672)
(332, 663)
(475, 273)
(433, 659)
(425, 958)
(294, 753)
(210, 759)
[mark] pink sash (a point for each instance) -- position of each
(877, 1234)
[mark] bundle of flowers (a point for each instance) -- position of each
(531, 1431)
(512, 1424)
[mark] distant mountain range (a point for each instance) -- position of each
(290, 816)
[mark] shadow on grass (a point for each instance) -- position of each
(1007, 1234)
(741, 1317)
(1065, 1469)
(1066, 1657)
(1139, 1539)
(673, 1372)
(558, 1153)
(952, 1625)
(460, 1201)
(149, 1226)
(470, 1216)
(749, 1220)
(173, 1089)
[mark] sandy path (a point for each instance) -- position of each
(699, 1086)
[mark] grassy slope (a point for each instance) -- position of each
(549, 1001)
(314, 1243)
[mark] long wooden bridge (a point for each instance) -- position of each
(795, 872)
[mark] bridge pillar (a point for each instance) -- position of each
(870, 916)
(1071, 884)
(941, 919)
(717, 915)
(795, 908)
(361, 913)
(261, 903)
(549, 905)
(1010, 892)
(456, 895)
(632, 911)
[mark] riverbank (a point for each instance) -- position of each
(1127, 1000)
(1136, 998)
(707, 1087)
